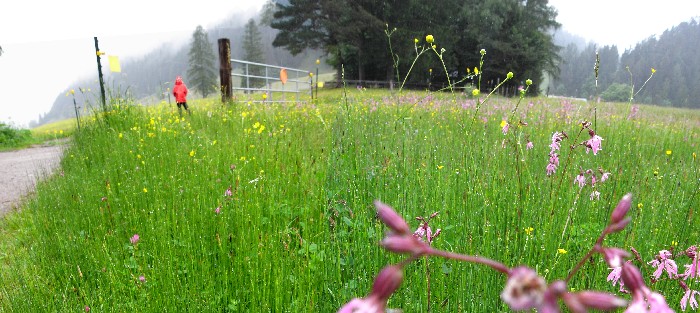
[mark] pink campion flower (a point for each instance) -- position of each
(580, 180)
(614, 276)
(87, 308)
(525, 290)
(142, 279)
(557, 137)
(134, 239)
(505, 128)
(529, 145)
(217, 210)
(689, 296)
(391, 219)
(551, 169)
(554, 159)
(595, 195)
(228, 192)
(664, 263)
(643, 299)
(691, 270)
(604, 176)
(593, 144)
(385, 284)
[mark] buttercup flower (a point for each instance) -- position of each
(429, 39)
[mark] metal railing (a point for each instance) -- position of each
(249, 73)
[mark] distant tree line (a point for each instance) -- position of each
(673, 56)
(516, 35)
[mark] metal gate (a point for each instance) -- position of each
(258, 77)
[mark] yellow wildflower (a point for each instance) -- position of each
(561, 251)
(529, 230)
(192, 153)
(475, 92)
(668, 152)
(145, 189)
(429, 39)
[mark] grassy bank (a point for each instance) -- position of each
(257, 207)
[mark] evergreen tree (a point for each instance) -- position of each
(253, 52)
(516, 34)
(202, 71)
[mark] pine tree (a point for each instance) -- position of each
(253, 52)
(201, 72)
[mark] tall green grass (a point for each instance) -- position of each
(298, 232)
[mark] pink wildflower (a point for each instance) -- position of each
(87, 308)
(134, 239)
(142, 279)
(529, 145)
(524, 289)
(691, 270)
(664, 263)
(551, 169)
(689, 296)
(505, 128)
(593, 144)
(391, 219)
(385, 284)
(580, 180)
(614, 276)
(217, 210)
(228, 192)
(643, 299)
(554, 159)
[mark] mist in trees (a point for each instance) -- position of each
(202, 73)
(253, 52)
(672, 56)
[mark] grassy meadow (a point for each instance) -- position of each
(255, 207)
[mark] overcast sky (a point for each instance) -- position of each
(48, 45)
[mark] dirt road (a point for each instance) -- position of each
(20, 170)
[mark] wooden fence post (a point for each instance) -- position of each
(225, 69)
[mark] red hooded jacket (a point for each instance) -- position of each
(180, 90)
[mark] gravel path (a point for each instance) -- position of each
(20, 170)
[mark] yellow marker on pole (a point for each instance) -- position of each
(114, 65)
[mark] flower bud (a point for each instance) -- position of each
(621, 209)
(613, 228)
(528, 82)
(386, 282)
(632, 277)
(391, 218)
(599, 300)
(509, 75)
(404, 244)
(614, 256)
(429, 39)
(482, 51)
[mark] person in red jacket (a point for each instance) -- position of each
(180, 93)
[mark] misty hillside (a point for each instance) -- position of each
(672, 55)
(148, 77)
